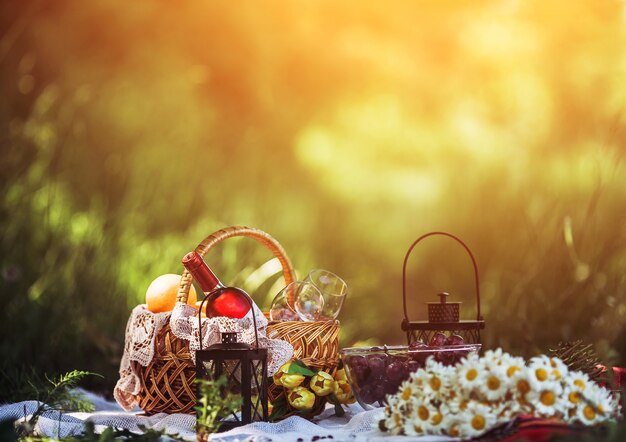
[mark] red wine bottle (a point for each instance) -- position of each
(222, 301)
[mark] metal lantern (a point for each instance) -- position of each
(245, 367)
(443, 316)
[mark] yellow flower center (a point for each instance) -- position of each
(406, 394)
(478, 422)
(574, 397)
(523, 386)
(453, 431)
(417, 428)
(580, 383)
(511, 370)
(437, 418)
(435, 383)
(423, 413)
(601, 409)
(589, 412)
(493, 383)
(547, 398)
(556, 374)
(463, 405)
(541, 374)
(553, 363)
(471, 374)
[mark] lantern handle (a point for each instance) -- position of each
(406, 259)
(250, 301)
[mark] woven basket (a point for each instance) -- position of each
(167, 382)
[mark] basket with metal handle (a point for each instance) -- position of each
(167, 383)
(443, 316)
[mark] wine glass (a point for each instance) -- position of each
(300, 300)
(333, 289)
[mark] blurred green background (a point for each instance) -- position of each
(132, 130)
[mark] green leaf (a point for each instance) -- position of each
(299, 367)
(280, 407)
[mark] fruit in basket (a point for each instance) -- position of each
(161, 293)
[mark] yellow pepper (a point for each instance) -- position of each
(322, 384)
(283, 378)
(301, 398)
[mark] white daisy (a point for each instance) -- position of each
(520, 388)
(572, 397)
(602, 401)
(577, 380)
(444, 371)
(435, 385)
(493, 357)
(469, 373)
(539, 369)
(546, 398)
(453, 426)
(394, 421)
(424, 412)
(414, 427)
(507, 410)
(559, 369)
(512, 365)
(494, 383)
(438, 420)
(475, 420)
(458, 402)
(591, 410)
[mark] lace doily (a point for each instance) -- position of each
(144, 325)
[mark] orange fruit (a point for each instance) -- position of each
(161, 294)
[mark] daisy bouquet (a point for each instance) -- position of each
(480, 393)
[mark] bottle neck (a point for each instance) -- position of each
(201, 272)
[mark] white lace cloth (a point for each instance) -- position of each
(357, 425)
(143, 326)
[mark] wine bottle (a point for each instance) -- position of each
(232, 302)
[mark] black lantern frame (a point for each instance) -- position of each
(448, 314)
(245, 368)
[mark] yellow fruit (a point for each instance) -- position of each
(161, 294)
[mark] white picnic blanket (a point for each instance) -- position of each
(357, 425)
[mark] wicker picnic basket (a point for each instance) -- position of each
(167, 382)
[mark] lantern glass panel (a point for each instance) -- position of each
(246, 373)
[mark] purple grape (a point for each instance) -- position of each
(366, 394)
(376, 364)
(357, 365)
(391, 387)
(412, 366)
(417, 344)
(445, 357)
(455, 340)
(395, 371)
(421, 356)
(378, 391)
(438, 340)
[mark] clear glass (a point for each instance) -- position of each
(375, 372)
(333, 289)
(300, 300)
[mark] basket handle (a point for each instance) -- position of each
(213, 239)
(406, 259)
